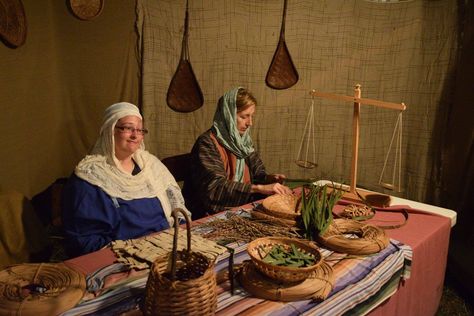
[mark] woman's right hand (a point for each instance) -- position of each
(271, 188)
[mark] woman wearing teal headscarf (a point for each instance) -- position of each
(227, 171)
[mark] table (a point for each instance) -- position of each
(426, 239)
(395, 200)
(429, 238)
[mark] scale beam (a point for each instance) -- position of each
(382, 104)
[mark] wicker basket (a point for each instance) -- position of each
(170, 292)
(285, 206)
(260, 247)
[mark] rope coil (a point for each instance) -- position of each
(45, 288)
(353, 237)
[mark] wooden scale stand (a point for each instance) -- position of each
(375, 199)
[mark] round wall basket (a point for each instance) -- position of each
(12, 22)
(86, 9)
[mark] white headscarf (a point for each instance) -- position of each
(104, 170)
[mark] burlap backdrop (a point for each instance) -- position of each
(401, 52)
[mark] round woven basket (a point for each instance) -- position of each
(40, 289)
(353, 237)
(260, 247)
(285, 206)
(168, 293)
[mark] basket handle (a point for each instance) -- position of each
(174, 213)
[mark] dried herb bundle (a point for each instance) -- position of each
(239, 228)
(316, 210)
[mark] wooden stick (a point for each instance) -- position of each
(383, 104)
(355, 138)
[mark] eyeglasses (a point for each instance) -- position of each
(131, 130)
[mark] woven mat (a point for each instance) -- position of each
(141, 253)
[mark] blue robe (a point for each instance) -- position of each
(92, 219)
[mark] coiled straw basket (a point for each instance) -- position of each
(176, 291)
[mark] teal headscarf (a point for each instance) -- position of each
(225, 129)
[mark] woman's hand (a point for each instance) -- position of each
(271, 188)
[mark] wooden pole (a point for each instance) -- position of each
(355, 139)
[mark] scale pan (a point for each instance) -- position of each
(390, 186)
(306, 164)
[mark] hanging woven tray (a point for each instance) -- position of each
(12, 22)
(282, 73)
(184, 93)
(86, 9)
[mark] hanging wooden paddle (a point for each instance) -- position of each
(184, 94)
(282, 73)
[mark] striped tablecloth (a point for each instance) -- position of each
(362, 283)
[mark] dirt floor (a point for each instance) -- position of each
(453, 303)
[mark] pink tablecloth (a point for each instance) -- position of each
(428, 235)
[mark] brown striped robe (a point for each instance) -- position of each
(211, 188)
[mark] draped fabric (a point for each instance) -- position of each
(224, 126)
(398, 52)
(54, 89)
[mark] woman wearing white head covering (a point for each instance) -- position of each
(120, 191)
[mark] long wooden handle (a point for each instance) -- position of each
(282, 30)
(184, 44)
(355, 138)
(382, 104)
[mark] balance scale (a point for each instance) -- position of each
(351, 194)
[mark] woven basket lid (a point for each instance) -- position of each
(86, 9)
(12, 22)
(283, 206)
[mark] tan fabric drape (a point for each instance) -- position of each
(401, 52)
(54, 89)
(21, 232)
